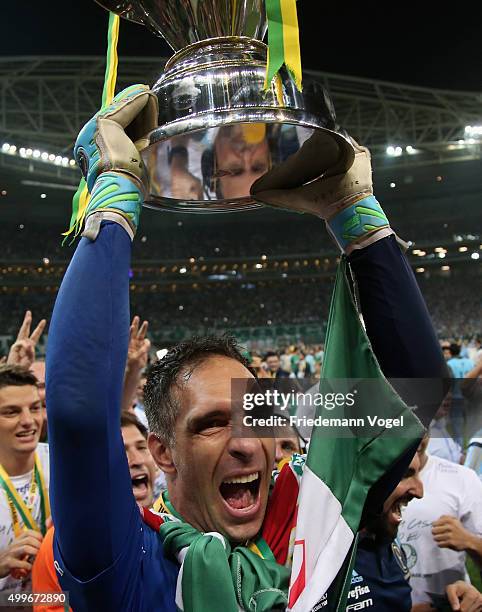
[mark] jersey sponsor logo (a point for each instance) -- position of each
(358, 591)
(360, 605)
(355, 577)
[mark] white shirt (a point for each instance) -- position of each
(22, 484)
(452, 490)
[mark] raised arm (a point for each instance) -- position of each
(137, 357)
(396, 318)
(92, 502)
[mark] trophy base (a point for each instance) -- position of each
(220, 130)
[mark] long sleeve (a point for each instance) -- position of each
(91, 493)
(403, 339)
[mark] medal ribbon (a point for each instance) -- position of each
(18, 506)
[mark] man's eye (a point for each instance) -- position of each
(288, 446)
(215, 424)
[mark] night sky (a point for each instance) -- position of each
(420, 45)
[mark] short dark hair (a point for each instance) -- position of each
(454, 349)
(15, 376)
(128, 418)
(163, 376)
(271, 354)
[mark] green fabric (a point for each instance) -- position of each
(218, 578)
(351, 464)
(75, 211)
(275, 38)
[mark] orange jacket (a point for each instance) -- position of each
(44, 578)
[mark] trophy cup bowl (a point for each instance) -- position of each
(219, 130)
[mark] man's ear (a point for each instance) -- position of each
(161, 454)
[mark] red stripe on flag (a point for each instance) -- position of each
(152, 520)
(281, 514)
(299, 584)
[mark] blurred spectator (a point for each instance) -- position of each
(473, 459)
(438, 530)
(441, 444)
(459, 366)
(274, 366)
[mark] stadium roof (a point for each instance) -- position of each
(45, 101)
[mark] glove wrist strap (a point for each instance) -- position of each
(93, 223)
(114, 198)
(354, 226)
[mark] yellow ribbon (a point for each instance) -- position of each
(18, 506)
(82, 196)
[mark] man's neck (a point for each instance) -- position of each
(15, 463)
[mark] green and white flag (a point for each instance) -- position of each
(340, 469)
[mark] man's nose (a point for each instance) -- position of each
(26, 418)
(279, 453)
(416, 487)
(134, 457)
(243, 448)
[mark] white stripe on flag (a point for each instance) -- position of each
(181, 555)
(322, 541)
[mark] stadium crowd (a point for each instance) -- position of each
(455, 311)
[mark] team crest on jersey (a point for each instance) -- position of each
(400, 556)
(410, 555)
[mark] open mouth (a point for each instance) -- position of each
(241, 492)
(396, 510)
(26, 434)
(140, 484)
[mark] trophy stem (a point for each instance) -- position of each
(223, 47)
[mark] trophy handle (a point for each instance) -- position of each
(124, 8)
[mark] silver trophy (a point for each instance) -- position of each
(219, 130)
